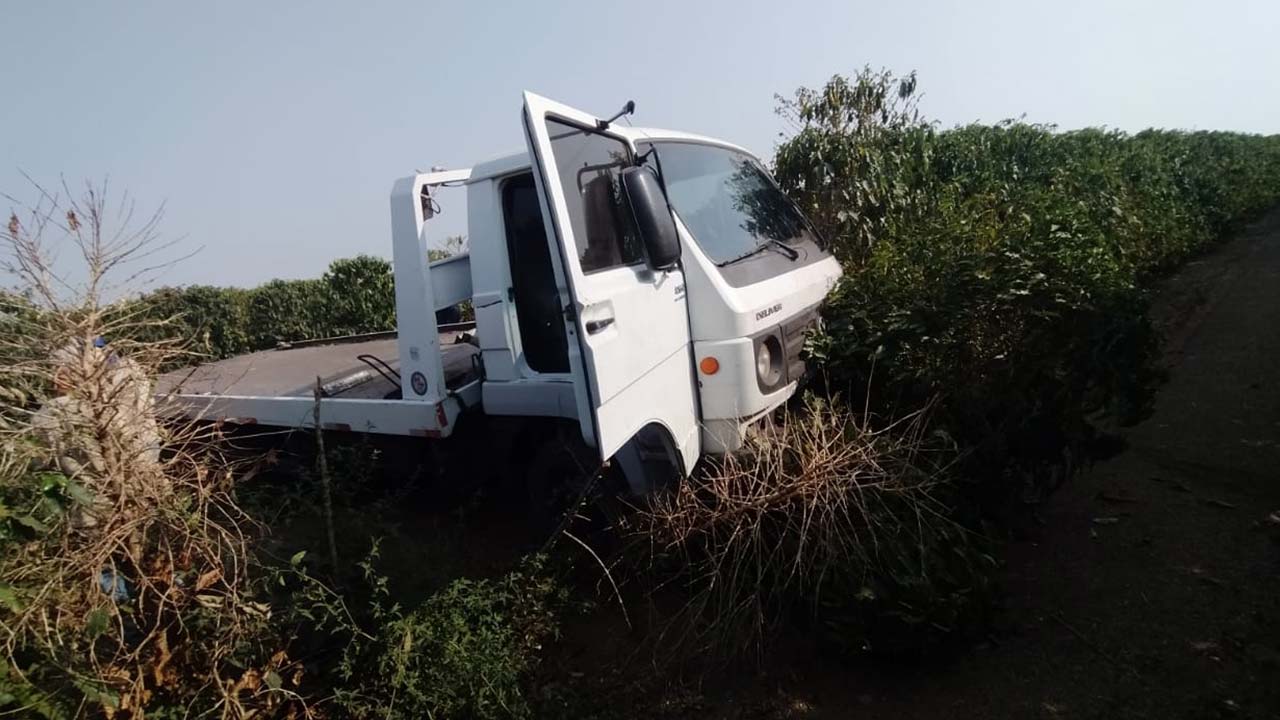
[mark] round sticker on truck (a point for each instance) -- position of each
(419, 383)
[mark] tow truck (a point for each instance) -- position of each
(650, 289)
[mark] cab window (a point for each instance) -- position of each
(589, 165)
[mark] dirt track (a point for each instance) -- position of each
(1154, 588)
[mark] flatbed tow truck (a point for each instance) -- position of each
(649, 288)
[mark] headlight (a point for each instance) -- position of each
(769, 362)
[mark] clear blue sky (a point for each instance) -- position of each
(274, 130)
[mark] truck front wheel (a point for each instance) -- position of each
(565, 483)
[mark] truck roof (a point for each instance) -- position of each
(519, 162)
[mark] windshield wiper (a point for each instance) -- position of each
(791, 253)
(772, 243)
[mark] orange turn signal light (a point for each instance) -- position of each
(709, 365)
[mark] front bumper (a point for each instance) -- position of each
(726, 435)
(734, 397)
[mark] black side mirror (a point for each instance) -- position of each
(653, 217)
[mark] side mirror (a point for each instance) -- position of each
(653, 217)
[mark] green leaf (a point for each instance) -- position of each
(273, 680)
(51, 481)
(79, 493)
(96, 692)
(31, 522)
(53, 501)
(9, 597)
(297, 557)
(96, 623)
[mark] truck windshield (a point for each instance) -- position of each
(727, 201)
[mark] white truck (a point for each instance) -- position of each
(652, 287)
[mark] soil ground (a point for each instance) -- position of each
(1152, 589)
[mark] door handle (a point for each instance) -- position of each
(595, 326)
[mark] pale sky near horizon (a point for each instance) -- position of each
(273, 130)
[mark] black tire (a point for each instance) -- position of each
(555, 478)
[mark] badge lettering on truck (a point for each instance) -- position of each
(768, 311)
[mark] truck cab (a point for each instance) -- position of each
(652, 286)
(573, 318)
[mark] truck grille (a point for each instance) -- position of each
(793, 333)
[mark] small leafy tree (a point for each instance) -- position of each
(855, 159)
(359, 296)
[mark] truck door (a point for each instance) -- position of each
(627, 326)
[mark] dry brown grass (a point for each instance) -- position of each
(761, 533)
(124, 565)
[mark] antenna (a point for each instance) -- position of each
(627, 109)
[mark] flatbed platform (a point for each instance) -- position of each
(291, 371)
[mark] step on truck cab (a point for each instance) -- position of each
(652, 286)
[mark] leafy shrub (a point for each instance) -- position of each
(1003, 269)
(356, 295)
(925, 590)
(210, 321)
(359, 295)
(284, 310)
(465, 651)
(995, 275)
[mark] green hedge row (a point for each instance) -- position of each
(1003, 270)
(355, 295)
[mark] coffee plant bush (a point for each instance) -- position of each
(284, 310)
(359, 296)
(1004, 270)
(211, 321)
(355, 295)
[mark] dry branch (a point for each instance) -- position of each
(128, 577)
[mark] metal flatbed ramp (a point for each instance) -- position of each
(276, 387)
(292, 371)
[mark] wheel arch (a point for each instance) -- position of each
(651, 459)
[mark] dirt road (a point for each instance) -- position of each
(1154, 589)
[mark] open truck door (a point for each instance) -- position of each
(627, 324)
